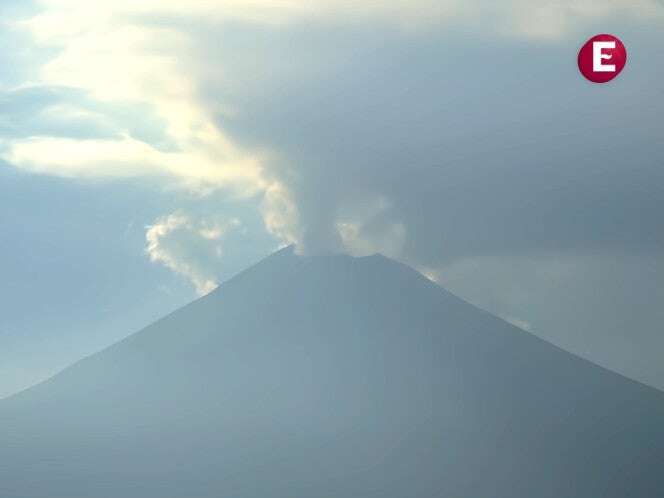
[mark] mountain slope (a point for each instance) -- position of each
(332, 377)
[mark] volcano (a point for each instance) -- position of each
(332, 377)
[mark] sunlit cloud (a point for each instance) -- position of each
(190, 246)
(114, 61)
(127, 103)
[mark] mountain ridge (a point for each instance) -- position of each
(289, 252)
(332, 375)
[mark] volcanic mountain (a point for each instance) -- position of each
(332, 377)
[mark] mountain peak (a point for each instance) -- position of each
(332, 376)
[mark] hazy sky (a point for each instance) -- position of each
(149, 150)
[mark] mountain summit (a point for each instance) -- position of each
(332, 377)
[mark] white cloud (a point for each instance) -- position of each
(525, 18)
(116, 60)
(137, 55)
(190, 246)
(112, 52)
(369, 229)
(280, 214)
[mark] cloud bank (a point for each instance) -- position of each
(353, 141)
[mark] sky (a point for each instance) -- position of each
(150, 150)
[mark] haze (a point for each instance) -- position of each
(151, 150)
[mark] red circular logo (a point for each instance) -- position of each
(602, 58)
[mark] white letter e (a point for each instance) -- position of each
(598, 56)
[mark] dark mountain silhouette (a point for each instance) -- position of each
(332, 377)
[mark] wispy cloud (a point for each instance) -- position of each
(122, 93)
(190, 246)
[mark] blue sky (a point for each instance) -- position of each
(151, 150)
